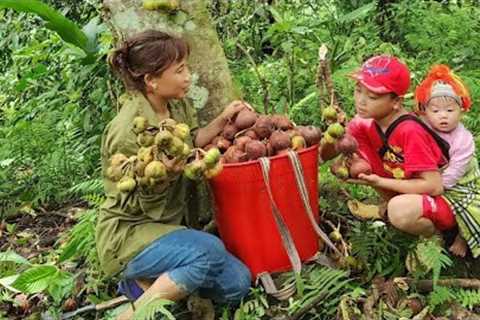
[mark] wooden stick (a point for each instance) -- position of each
(427, 285)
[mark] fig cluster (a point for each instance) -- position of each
(250, 135)
(163, 152)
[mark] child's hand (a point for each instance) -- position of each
(370, 179)
(233, 108)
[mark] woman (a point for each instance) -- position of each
(140, 233)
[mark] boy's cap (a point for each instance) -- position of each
(384, 74)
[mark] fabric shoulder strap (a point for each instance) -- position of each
(442, 144)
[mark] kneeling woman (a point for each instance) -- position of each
(141, 234)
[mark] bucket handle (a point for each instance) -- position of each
(302, 189)
(287, 241)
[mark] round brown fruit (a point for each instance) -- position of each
(347, 144)
(311, 134)
(255, 149)
(241, 141)
(281, 122)
(263, 127)
(223, 144)
(280, 140)
(359, 165)
(234, 155)
(245, 119)
(229, 131)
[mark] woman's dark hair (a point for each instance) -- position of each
(147, 52)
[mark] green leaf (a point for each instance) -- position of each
(66, 28)
(151, 308)
(35, 279)
(61, 285)
(7, 282)
(358, 13)
(13, 257)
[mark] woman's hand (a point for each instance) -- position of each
(206, 134)
(233, 108)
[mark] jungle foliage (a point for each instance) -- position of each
(54, 107)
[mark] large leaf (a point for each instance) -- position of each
(11, 256)
(66, 29)
(35, 280)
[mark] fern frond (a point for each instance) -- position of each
(432, 255)
(94, 199)
(93, 186)
(440, 295)
(152, 307)
(322, 282)
(81, 238)
(468, 298)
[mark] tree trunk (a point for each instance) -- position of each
(214, 88)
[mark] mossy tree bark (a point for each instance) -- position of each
(214, 88)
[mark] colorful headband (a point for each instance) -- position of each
(442, 74)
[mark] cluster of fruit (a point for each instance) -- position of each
(163, 152)
(249, 136)
(349, 164)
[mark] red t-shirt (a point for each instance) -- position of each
(411, 148)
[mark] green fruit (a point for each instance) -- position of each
(336, 130)
(126, 184)
(176, 147)
(335, 235)
(168, 123)
(155, 169)
(186, 150)
(145, 154)
(118, 159)
(215, 171)
(327, 139)
(140, 124)
(145, 140)
(181, 130)
(329, 114)
(143, 181)
(140, 168)
(114, 173)
(298, 143)
(163, 139)
(212, 157)
(194, 170)
(342, 172)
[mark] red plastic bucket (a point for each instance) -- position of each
(244, 214)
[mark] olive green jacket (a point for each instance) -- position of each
(129, 222)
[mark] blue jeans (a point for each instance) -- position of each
(195, 261)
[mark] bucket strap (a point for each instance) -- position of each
(287, 239)
(265, 278)
(302, 189)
